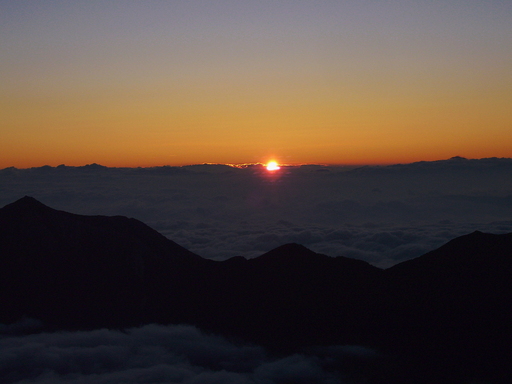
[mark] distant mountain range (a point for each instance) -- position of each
(444, 316)
(456, 162)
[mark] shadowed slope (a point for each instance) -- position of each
(73, 270)
(292, 296)
(445, 315)
(89, 271)
(454, 304)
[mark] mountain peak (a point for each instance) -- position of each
(26, 203)
(28, 200)
(292, 248)
(288, 253)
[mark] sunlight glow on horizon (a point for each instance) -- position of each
(273, 166)
(143, 84)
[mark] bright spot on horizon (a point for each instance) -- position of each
(273, 166)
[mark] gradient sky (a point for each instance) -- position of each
(146, 83)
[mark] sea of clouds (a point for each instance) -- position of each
(162, 354)
(383, 215)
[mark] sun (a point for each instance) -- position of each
(273, 166)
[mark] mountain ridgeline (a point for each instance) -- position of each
(448, 309)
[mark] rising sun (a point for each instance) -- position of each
(273, 166)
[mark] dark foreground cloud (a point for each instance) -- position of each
(160, 354)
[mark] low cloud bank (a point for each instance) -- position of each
(379, 244)
(160, 354)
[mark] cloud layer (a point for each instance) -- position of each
(160, 354)
(383, 215)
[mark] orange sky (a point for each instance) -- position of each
(163, 83)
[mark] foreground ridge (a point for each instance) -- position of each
(439, 310)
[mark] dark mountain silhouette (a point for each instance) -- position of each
(454, 304)
(442, 317)
(80, 271)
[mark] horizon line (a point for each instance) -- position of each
(250, 164)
